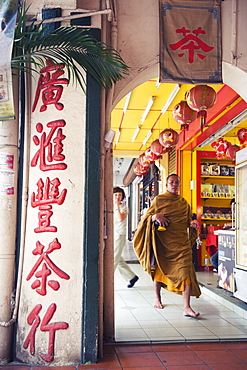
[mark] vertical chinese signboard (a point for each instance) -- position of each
(190, 41)
(49, 320)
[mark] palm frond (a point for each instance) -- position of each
(69, 45)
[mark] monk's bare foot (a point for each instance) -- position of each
(188, 312)
(157, 303)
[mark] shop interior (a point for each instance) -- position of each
(213, 181)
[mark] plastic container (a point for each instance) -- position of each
(158, 226)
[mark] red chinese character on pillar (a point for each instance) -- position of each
(50, 150)
(191, 43)
(46, 195)
(44, 216)
(46, 269)
(50, 83)
(33, 318)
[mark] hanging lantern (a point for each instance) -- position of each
(139, 170)
(145, 162)
(151, 156)
(201, 98)
(183, 114)
(242, 137)
(168, 138)
(157, 148)
(221, 147)
(231, 152)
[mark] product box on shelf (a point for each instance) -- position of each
(221, 190)
(232, 191)
(205, 168)
(215, 169)
(231, 171)
(206, 190)
(224, 170)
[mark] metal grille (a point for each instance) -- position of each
(172, 161)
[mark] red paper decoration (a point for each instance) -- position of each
(242, 137)
(231, 152)
(157, 148)
(183, 114)
(168, 138)
(201, 98)
(221, 147)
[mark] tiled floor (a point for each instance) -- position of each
(190, 356)
(137, 321)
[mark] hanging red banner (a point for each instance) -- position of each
(190, 41)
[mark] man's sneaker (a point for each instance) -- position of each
(133, 281)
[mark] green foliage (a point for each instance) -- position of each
(69, 45)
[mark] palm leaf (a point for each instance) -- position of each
(69, 45)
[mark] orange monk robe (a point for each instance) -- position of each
(171, 249)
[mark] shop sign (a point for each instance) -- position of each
(49, 323)
(190, 41)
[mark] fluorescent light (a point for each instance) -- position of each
(136, 133)
(147, 109)
(170, 99)
(157, 84)
(118, 136)
(223, 130)
(147, 137)
(127, 100)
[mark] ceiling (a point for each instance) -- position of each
(125, 118)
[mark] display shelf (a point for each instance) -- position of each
(222, 198)
(216, 219)
(210, 191)
(217, 177)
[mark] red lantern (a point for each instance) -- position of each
(151, 156)
(168, 138)
(201, 98)
(242, 137)
(183, 114)
(145, 162)
(231, 152)
(157, 148)
(221, 147)
(139, 170)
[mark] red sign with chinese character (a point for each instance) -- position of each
(190, 41)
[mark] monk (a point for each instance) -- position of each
(167, 255)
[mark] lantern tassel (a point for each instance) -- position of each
(184, 127)
(203, 115)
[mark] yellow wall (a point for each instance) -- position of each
(185, 174)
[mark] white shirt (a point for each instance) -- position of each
(120, 227)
